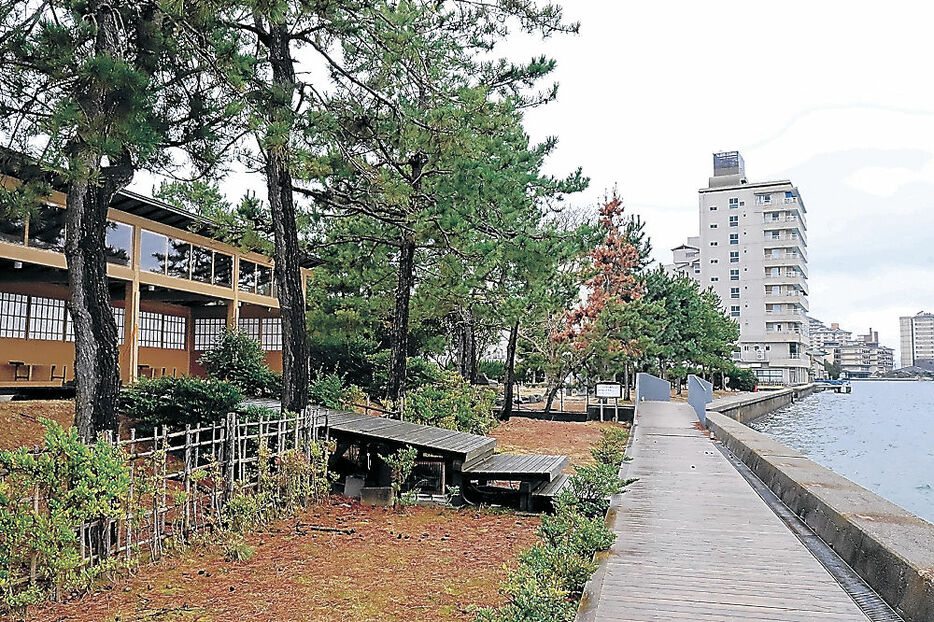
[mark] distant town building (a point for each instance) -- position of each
(864, 357)
(917, 339)
(752, 250)
(859, 357)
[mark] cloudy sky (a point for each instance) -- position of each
(836, 97)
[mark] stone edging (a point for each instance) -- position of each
(890, 548)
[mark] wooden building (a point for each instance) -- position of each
(173, 289)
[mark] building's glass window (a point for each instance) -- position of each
(14, 311)
(207, 329)
(734, 257)
(713, 208)
(201, 260)
(763, 199)
(734, 275)
(714, 261)
(734, 312)
(714, 279)
(734, 203)
(734, 221)
(179, 259)
(714, 243)
(119, 243)
(734, 238)
(734, 292)
(12, 230)
(264, 280)
(46, 319)
(150, 329)
(247, 276)
(249, 326)
(153, 251)
(174, 328)
(272, 333)
(120, 321)
(713, 225)
(223, 269)
(47, 228)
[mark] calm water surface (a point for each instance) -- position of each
(881, 436)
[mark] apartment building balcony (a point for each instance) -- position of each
(785, 247)
(790, 360)
(784, 316)
(781, 260)
(796, 280)
(781, 223)
(781, 336)
(788, 298)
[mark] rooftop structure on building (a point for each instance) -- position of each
(752, 250)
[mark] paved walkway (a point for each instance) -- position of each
(695, 541)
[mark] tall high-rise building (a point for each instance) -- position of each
(752, 250)
(917, 339)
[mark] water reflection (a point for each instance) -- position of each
(881, 436)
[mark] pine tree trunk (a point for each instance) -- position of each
(626, 395)
(551, 397)
(97, 361)
(287, 257)
(510, 372)
(467, 346)
(399, 333)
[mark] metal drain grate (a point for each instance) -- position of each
(876, 609)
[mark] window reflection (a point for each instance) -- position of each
(264, 280)
(12, 230)
(47, 228)
(223, 270)
(179, 258)
(201, 264)
(119, 243)
(152, 252)
(247, 276)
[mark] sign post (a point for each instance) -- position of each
(607, 390)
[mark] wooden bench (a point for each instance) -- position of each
(53, 377)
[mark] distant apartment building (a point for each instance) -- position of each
(859, 357)
(917, 340)
(752, 250)
(864, 357)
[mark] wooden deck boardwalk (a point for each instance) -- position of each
(695, 541)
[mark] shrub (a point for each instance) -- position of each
(237, 550)
(494, 370)
(611, 448)
(742, 379)
(400, 466)
(238, 358)
(453, 404)
(589, 489)
(179, 401)
(75, 483)
(327, 390)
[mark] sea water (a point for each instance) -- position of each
(880, 436)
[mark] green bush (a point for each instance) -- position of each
(76, 483)
(741, 379)
(494, 370)
(611, 448)
(588, 491)
(327, 390)
(179, 401)
(453, 404)
(238, 358)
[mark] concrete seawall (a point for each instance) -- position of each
(748, 406)
(890, 548)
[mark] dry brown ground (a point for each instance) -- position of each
(527, 436)
(19, 421)
(416, 564)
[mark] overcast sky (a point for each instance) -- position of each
(835, 96)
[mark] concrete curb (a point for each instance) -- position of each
(890, 548)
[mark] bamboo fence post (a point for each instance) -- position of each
(187, 479)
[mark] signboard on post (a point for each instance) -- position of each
(610, 390)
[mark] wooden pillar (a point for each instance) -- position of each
(233, 314)
(130, 332)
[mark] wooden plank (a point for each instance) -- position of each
(697, 543)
